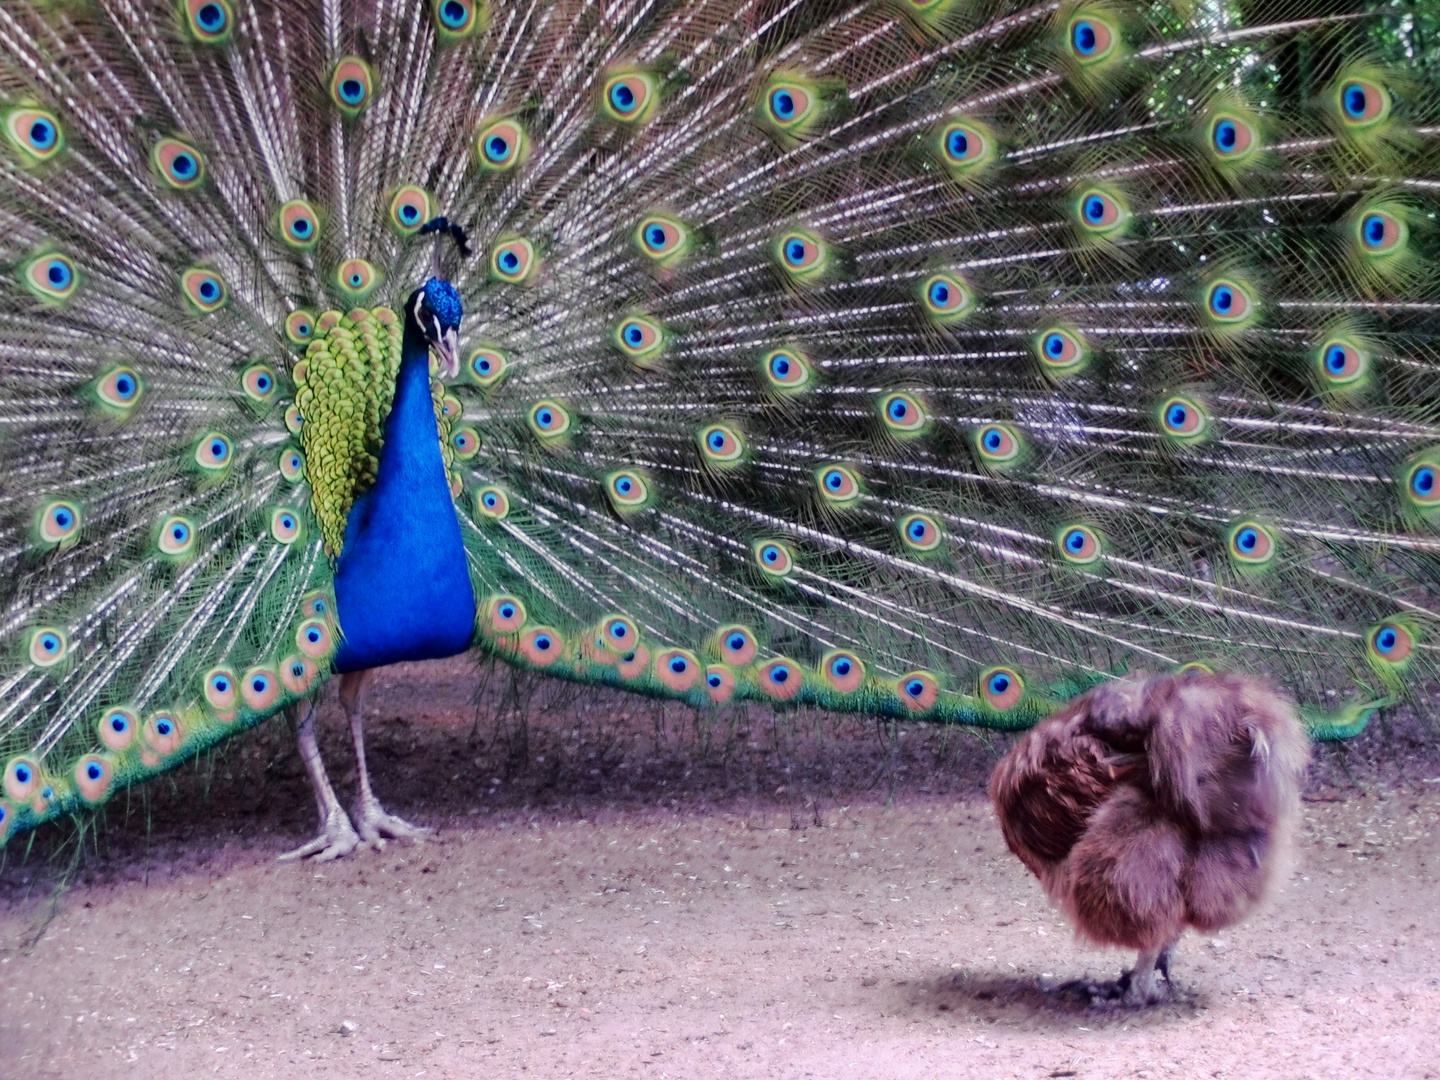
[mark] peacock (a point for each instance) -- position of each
(927, 359)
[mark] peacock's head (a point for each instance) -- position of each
(436, 309)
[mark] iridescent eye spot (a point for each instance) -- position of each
(719, 683)
(356, 278)
(965, 147)
(316, 605)
(1231, 137)
(162, 733)
(902, 414)
(47, 646)
(466, 442)
(513, 261)
(1183, 419)
(506, 615)
(492, 503)
(313, 638)
(117, 728)
(1001, 688)
(292, 465)
(786, 370)
(179, 164)
(203, 289)
(34, 132)
(946, 298)
(789, 106)
(661, 238)
(1363, 103)
(455, 19)
(259, 383)
(298, 674)
(1391, 642)
(1091, 39)
(1423, 484)
(352, 85)
(773, 558)
(293, 419)
(838, 485)
(801, 255)
(721, 444)
(639, 338)
(299, 224)
(285, 525)
(222, 689)
(486, 366)
(1078, 544)
(22, 777)
(1101, 213)
(737, 645)
(51, 277)
(920, 532)
(1228, 302)
(1380, 233)
(541, 646)
(627, 490)
(997, 444)
(618, 634)
(259, 689)
(1252, 544)
(918, 691)
(299, 326)
(629, 96)
(209, 20)
(409, 209)
(842, 671)
(677, 670)
(175, 536)
(119, 389)
(781, 679)
(1342, 362)
(58, 523)
(500, 144)
(212, 452)
(548, 420)
(1061, 352)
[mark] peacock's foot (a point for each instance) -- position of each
(376, 826)
(337, 839)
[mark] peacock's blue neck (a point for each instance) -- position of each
(402, 583)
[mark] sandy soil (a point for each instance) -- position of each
(619, 890)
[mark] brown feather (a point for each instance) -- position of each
(1150, 805)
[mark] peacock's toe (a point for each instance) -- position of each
(377, 826)
(336, 840)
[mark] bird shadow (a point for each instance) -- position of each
(1034, 1001)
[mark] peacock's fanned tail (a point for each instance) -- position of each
(929, 358)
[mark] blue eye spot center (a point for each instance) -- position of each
(262, 383)
(1084, 38)
(770, 554)
(218, 449)
(352, 90)
(453, 12)
(678, 665)
(898, 409)
(64, 518)
(622, 97)
(542, 642)
(1225, 135)
(1424, 480)
(510, 261)
(794, 252)
(125, 386)
(259, 685)
(918, 529)
(222, 684)
(1222, 299)
(58, 274)
(841, 667)
(483, 367)
(1176, 416)
(958, 144)
(1355, 100)
(1374, 230)
(546, 418)
(42, 134)
(1075, 540)
(939, 294)
(783, 104)
(717, 440)
(780, 673)
(834, 480)
(999, 684)
(497, 148)
(655, 236)
(118, 724)
(1094, 208)
(209, 290)
(22, 774)
(1386, 639)
(93, 771)
(179, 532)
(780, 366)
(164, 727)
(713, 681)
(992, 440)
(50, 643)
(409, 213)
(915, 688)
(736, 642)
(1247, 540)
(634, 336)
(211, 17)
(1054, 346)
(183, 165)
(624, 485)
(301, 227)
(1335, 359)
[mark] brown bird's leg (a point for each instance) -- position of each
(337, 836)
(1140, 983)
(375, 824)
(1162, 962)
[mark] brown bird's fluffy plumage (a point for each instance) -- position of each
(1149, 805)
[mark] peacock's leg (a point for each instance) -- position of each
(337, 836)
(375, 824)
(1141, 984)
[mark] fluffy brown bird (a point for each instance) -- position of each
(1149, 805)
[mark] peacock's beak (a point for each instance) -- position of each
(447, 349)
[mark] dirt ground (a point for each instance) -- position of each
(619, 890)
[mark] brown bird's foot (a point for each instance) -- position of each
(1141, 988)
(336, 840)
(376, 826)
